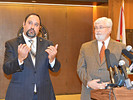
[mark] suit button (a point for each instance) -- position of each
(35, 72)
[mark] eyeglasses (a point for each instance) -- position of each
(101, 27)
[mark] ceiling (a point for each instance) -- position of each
(79, 2)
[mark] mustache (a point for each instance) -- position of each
(32, 29)
(98, 33)
(31, 33)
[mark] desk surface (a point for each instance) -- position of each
(121, 93)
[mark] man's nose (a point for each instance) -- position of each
(32, 26)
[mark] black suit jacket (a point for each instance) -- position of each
(25, 76)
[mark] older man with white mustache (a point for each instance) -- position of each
(92, 68)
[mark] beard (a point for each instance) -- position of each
(100, 37)
(31, 33)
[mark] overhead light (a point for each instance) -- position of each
(34, 1)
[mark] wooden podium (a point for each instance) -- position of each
(121, 93)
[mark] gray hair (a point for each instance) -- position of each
(105, 20)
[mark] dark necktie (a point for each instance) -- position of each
(102, 52)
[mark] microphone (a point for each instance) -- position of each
(107, 53)
(129, 48)
(130, 56)
(127, 54)
(123, 68)
(127, 80)
(119, 79)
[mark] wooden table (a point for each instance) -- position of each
(121, 93)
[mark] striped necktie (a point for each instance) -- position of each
(32, 52)
(32, 49)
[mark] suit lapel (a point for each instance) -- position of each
(111, 45)
(95, 51)
(39, 46)
(104, 60)
(21, 40)
(40, 49)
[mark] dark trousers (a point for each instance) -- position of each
(35, 97)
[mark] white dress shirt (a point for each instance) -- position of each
(100, 44)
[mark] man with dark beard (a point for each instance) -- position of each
(28, 58)
(92, 68)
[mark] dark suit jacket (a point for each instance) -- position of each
(25, 76)
(89, 66)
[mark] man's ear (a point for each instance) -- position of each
(110, 29)
(40, 27)
(23, 23)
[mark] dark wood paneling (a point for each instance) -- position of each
(114, 11)
(129, 37)
(67, 26)
(79, 30)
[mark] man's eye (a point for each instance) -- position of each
(36, 25)
(30, 22)
(101, 27)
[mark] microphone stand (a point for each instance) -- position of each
(112, 85)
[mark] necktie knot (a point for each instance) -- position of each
(31, 42)
(103, 42)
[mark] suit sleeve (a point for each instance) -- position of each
(57, 64)
(10, 65)
(82, 68)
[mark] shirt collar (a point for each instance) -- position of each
(106, 42)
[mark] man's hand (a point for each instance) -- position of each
(23, 51)
(95, 85)
(52, 51)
